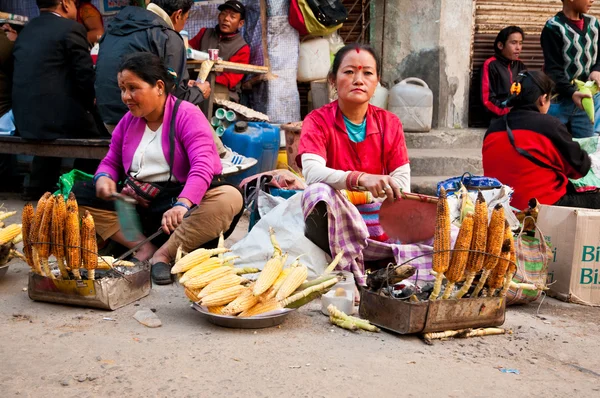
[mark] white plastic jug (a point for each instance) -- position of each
(380, 97)
(412, 101)
(313, 61)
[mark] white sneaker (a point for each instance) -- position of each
(233, 162)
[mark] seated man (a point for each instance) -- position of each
(226, 37)
(53, 86)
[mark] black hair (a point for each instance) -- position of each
(149, 68)
(504, 34)
(341, 54)
(47, 3)
(171, 6)
(532, 86)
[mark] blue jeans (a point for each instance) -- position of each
(575, 119)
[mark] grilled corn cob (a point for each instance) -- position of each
(73, 240)
(292, 282)
(261, 308)
(43, 238)
(459, 258)
(202, 280)
(441, 243)
(57, 235)
(478, 242)
(496, 279)
(269, 274)
(223, 297)
(9, 233)
(72, 203)
(89, 246)
(243, 302)
(195, 258)
(35, 230)
(222, 283)
(495, 239)
(512, 268)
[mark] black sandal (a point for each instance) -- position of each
(161, 274)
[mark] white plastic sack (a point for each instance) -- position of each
(492, 198)
(288, 222)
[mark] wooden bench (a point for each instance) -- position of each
(61, 148)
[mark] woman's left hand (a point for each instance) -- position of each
(380, 186)
(172, 218)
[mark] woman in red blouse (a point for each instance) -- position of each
(349, 143)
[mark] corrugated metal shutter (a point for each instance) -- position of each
(490, 17)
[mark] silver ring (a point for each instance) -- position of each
(387, 187)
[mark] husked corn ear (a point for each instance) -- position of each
(495, 237)
(458, 262)
(43, 238)
(243, 302)
(73, 241)
(27, 223)
(269, 274)
(194, 258)
(201, 268)
(192, 294)
(441, 243)
(19, 238)
(5, 214)
(261, 308)
(279, 281)
(222, 283)
(223, 297)
(246, 270)
(202, 280)
(9, 233)
(292, 282)
(217, 309)
(89, 245)
(57, 235)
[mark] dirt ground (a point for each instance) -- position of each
(54, 350)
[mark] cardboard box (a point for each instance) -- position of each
(574, 269)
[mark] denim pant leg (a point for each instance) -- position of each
(562, 110)
(575, 119)
(597, 113)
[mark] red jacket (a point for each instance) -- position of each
(226, 78)
(544, 137)
(324, 134)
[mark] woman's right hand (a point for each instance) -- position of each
(380, 186)
(105, 188)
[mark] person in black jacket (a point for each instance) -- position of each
(498, 72)
(53, 86)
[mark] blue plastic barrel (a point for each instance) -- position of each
(258, 140)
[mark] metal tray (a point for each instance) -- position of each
(255, 322)
(106, 293)
(404, 317)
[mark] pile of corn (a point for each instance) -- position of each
(211, 280)
(482, 249)
(9, 236)
(55, 228)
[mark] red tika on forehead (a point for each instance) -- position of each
(357, 50)
(359, 67)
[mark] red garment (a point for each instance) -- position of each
(226, 78)
(578, 23)
(91, 9)
(324, 134)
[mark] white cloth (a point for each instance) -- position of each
(149, 163)
(315, 170)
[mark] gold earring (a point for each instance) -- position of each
(160, 92)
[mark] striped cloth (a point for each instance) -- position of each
(348, 231)
(370, 215)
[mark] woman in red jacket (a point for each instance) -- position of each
(533, 152)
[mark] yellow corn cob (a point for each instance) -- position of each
(72, 203)
(223, 297)
(441, 243)
(5, 214)
(245, 301)
(73, 241)
(279, 281)
(108, 262)
(35, 229)
(497, 277)
(27, 221)
(222, 283)
(221, 245)
(478, 243)
(458, 262)
(218, 309)
(195, 258)
(9, 233)
(18, 238)
(269, 274)
(276, 248)
(510, 273)
(246, 270)
(208, 265)
(495, 239)
(202, 280)
(261, 308)
(89, 245)
(192, 294)
(57, 235)
(292, 282)
(43, 237)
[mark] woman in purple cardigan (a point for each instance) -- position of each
(167, 180)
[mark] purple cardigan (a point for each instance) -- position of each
(196, 160)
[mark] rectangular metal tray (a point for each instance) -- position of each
(405, 317)
(105, 293)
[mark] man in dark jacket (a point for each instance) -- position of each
(156, 30)
(53, 85)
